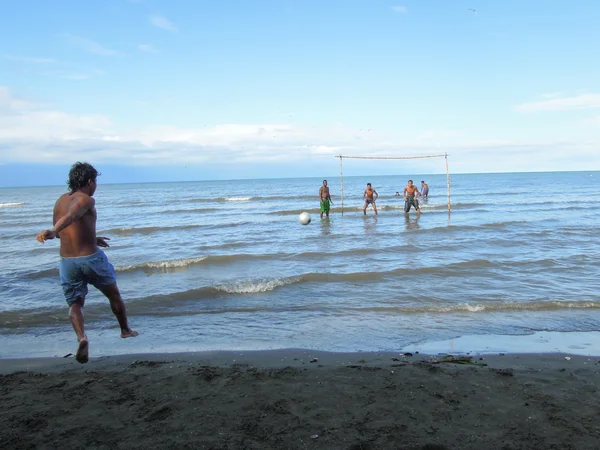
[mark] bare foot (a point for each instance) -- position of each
(128, 333)
(82, 351)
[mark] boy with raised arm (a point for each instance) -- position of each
(82, 262)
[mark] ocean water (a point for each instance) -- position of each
(225, 265)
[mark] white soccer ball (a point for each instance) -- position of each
(304, 218)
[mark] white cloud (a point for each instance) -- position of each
(400, 9)
(163, 23)
(147, 48)
(583, 101)
(31, 132)
(28, 122)
(30, 60)
(89, 46)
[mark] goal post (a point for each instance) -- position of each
(445, 156)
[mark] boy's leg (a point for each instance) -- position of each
(118, 308)
(76, 317)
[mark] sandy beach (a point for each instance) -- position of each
(280, 399)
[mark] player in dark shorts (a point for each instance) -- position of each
(410, 197)
(370, 196)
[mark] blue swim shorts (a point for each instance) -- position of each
(76, 273)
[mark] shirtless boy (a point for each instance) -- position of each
(82, 262)
(370, 195)
(325, 199)
(410, 197)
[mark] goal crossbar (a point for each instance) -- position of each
(445, 156)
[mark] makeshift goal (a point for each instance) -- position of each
(445, 156)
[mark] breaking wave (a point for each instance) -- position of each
(256, 286)
(162, 266)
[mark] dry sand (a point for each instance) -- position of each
(280, 400)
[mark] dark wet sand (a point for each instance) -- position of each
(280, 400)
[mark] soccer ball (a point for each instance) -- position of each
(304, 218)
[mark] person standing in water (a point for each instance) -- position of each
(370, 195)
(410, 197)
(82, 262)
(424, 190)
(325, 199)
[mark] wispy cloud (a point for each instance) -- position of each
(593, 121)
(163, 23)
(583, 101)
(89, 46)
(552, 95)
(400, 9)
(10, 102)
(30, 60)
(147, 48)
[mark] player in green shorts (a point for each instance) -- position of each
(325, 199)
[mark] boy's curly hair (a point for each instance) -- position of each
(80, 174)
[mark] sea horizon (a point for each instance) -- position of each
(409, 174)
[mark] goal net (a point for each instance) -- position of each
(342, 157)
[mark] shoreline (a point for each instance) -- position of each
(290, 357)
(548, 342)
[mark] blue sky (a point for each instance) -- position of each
(157, 90)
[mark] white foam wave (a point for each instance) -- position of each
(473, 308)
(169, 264)
(255, 286)
(526, 306)
(238, 199)
(6, 205)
